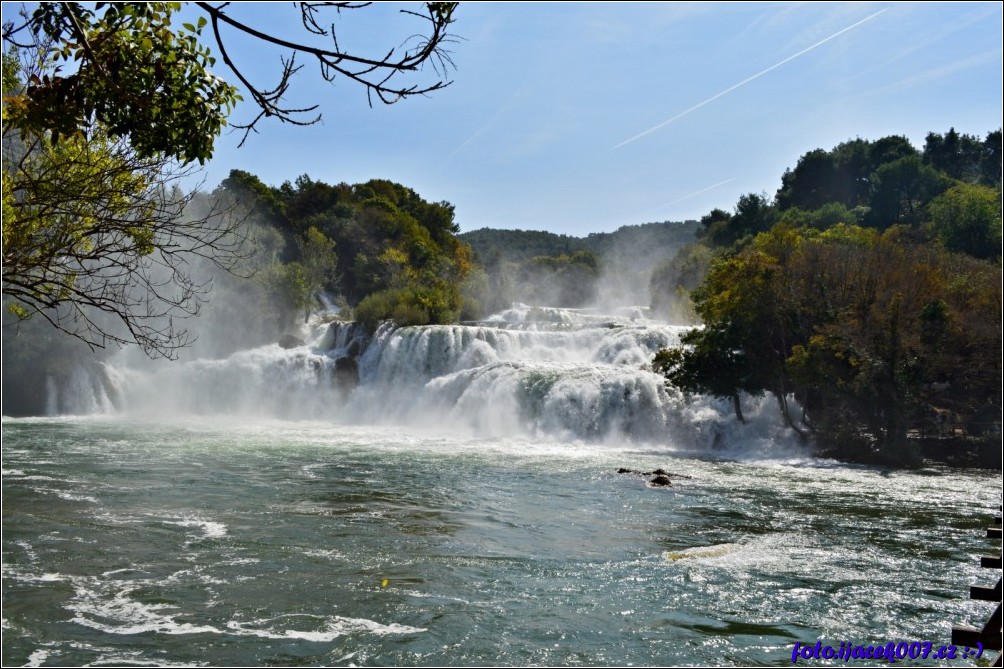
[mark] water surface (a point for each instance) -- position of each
(215, 542)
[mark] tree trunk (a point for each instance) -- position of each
(782, 403)
(738, 408)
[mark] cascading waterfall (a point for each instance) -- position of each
(528, 371)
(88, 389)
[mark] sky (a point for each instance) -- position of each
(583, 117)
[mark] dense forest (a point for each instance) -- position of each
(539, 267)
(868, 289)
(377, 247)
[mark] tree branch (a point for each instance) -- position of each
(374, 75)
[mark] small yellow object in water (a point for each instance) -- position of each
(384, 583)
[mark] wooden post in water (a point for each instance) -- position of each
(990, 635)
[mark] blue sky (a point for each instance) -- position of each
(580, 118)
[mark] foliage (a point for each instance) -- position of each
(858, 324)
(754, 212)
(128, 71)
(493, 246)
(416, 305)
(318, 261)
(121, 65)
(95, 238)
(564, 281)
(673, 281)
(887, 181)
(967, 218)
(965, 157)
(826, 216)
(397, 254)
(854, 325)
(900, 191)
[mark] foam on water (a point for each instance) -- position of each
(210, 529)
(113, 607)
(328, 628)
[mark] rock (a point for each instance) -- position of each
(346, 373)
(288, 341)
(661, 475)
(356, 347)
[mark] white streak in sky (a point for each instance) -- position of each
(480, 131)
(749, 79)
(491, 121)
(663, 208)
(698, 192)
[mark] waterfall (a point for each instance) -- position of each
(568, 374)
(87, 389)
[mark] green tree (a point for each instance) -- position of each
(108, 100)
(96, 239)
(673, 281)
(856, 326)
(811, 184)
(967, 218)
(900, 191)
(124, 66)
(754, 212)
(319, 261)
(128, 71)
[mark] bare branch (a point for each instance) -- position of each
(101, 243)
(376, 75)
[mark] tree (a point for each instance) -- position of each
(318, 260)
(811, 184)
(967, 218)
(900, 191)
(96, 239)
(108, 106)
(856, 326)
(672, 282)
(122, 65)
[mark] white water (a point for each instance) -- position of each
(570, 375)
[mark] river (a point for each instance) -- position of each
(461, 506)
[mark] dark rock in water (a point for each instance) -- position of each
(355, 348)
(288, 341)
(346, 373)
(661, 475)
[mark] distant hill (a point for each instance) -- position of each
(648, 239)
(605, 268)
(491, 245)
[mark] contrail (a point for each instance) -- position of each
(755, 76)
(698, 192)
(480, 131)
(498, 112)
(663, 207)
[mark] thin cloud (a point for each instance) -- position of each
(749, 79)
(943, 72)
(922, 42)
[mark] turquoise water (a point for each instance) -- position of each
(283, 543)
